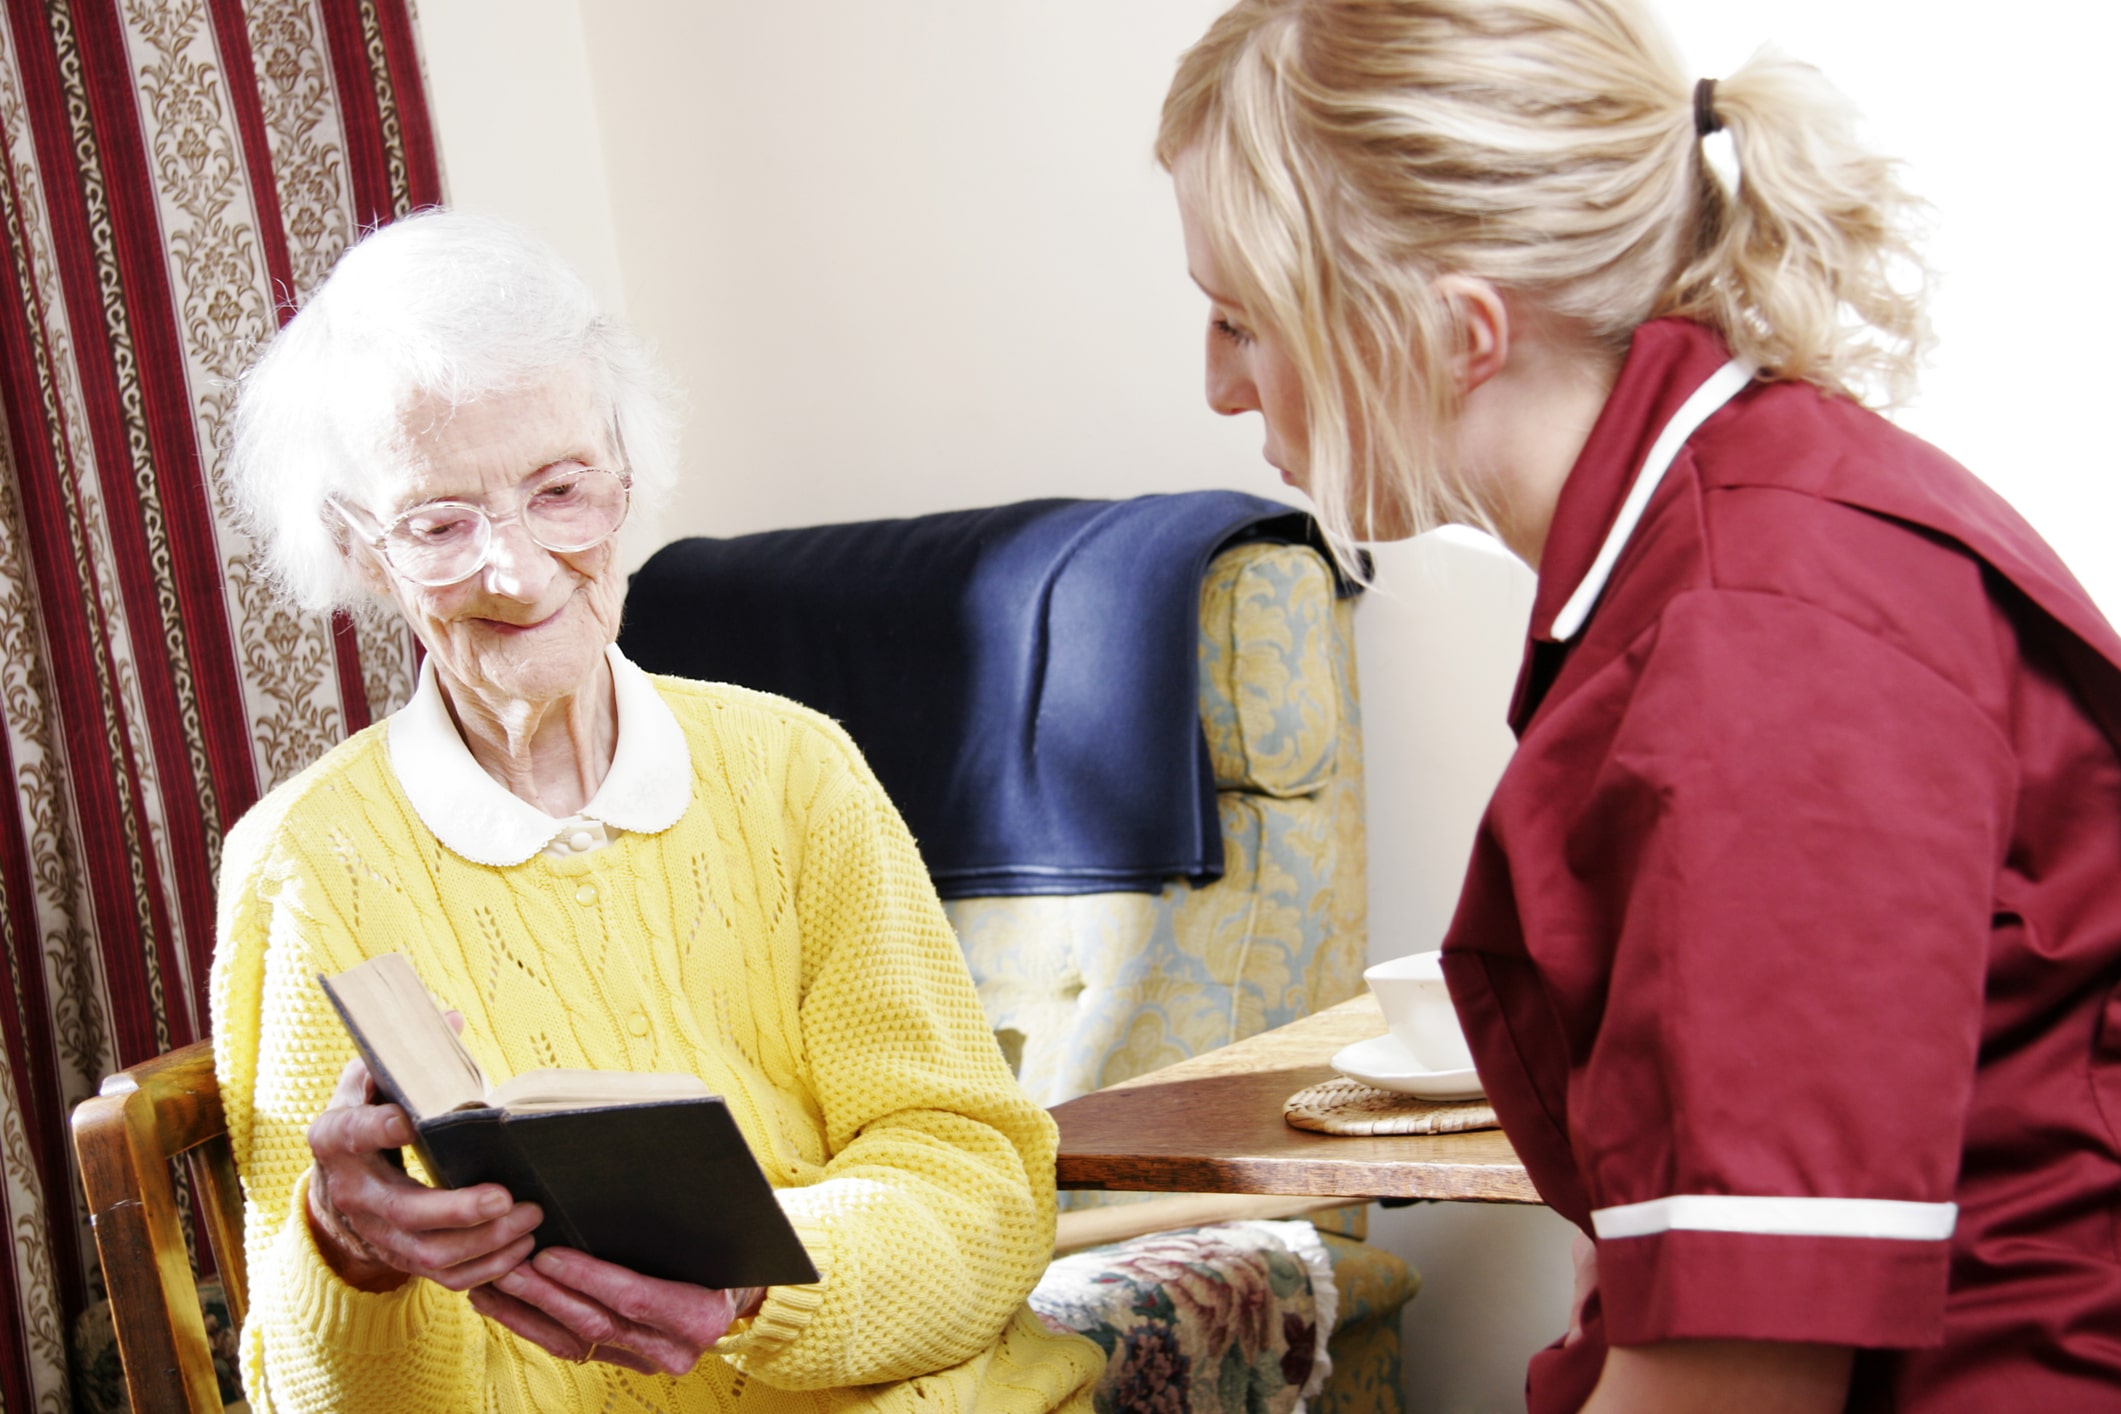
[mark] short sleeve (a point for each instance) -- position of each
(1800, 826)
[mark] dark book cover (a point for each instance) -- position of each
(667, 1188)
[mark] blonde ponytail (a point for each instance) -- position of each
(1345, 153)
(1809, 268)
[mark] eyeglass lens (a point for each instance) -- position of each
(447, 541)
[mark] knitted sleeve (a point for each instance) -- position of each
(311, 1341)
(934, 1217)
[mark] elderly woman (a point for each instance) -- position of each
(1790, 950)
(596, 869)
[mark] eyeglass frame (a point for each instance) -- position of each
(490, 521)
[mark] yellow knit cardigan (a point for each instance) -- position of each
(781, 941)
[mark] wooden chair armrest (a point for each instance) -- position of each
(180, 1090)
(1122, 1222)
(125, 1137)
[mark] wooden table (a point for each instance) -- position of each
(1213, 1124)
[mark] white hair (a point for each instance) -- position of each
(438, 306)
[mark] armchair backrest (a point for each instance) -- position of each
(126, 1138)
(1087, 990)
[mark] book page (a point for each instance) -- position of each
(587, 1089)
(407, 1042)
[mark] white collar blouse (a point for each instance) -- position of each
(474, 815)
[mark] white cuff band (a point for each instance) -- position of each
(1780, 1217)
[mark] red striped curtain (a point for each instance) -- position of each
(176, 173)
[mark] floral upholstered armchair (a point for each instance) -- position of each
(1087, 990)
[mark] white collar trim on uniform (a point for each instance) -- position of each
(646, 790)
(1723, 385)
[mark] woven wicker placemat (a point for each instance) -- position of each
(1350, 1107)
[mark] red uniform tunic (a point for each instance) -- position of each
(1790, 949)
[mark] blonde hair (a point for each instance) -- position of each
(1343, 154)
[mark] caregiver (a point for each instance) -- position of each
(1790, 942)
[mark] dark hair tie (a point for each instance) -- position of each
(1705, 119)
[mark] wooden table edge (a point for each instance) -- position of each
(1274, 1064)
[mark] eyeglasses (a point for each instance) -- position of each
(444, 542)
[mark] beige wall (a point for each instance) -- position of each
(914, 256)
(515, 109)
(909, 257)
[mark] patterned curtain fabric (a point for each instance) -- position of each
(177, 174)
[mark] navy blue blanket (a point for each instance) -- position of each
(1021, 678)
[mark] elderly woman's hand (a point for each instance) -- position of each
(377, 1226)
(580, 1308)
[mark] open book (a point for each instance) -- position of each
(648, 1171)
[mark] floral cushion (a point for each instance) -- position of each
(1230, 1317)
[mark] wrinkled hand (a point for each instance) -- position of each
(377, 1226)
(580, 1308)
(1584, 1253)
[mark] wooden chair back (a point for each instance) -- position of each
(126, 1138)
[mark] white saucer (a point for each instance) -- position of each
(1383, 1062)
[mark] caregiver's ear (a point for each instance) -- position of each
(1480, 319)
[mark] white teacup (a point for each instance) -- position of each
(1417, 1006)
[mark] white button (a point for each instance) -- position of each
(586, 894)
(579, 841)
(638, 1024)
